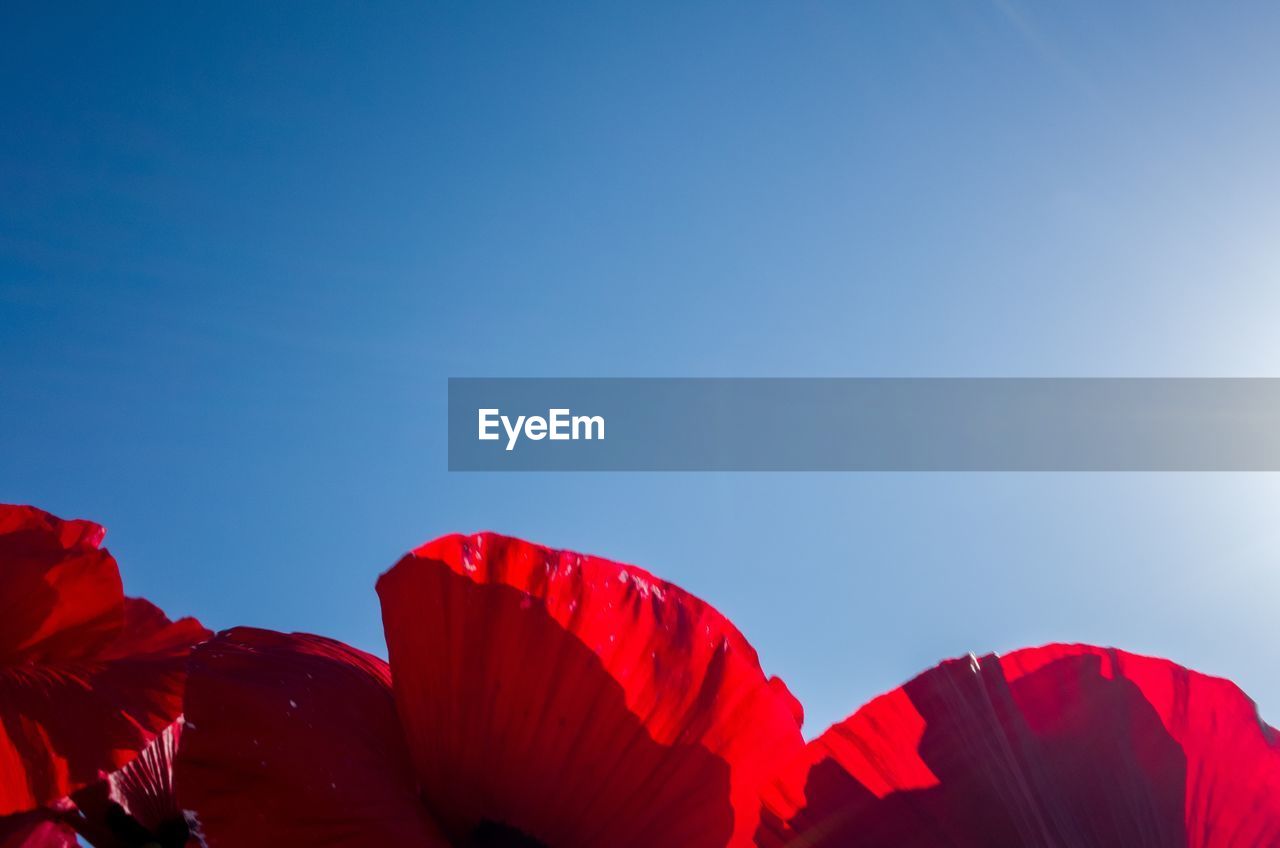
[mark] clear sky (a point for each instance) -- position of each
(243, 246)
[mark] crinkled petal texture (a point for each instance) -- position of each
(137, 805)
(87, 677)
(575, 701)
(35, 829)
(1066, 746)
(294, 740)
(145, 788)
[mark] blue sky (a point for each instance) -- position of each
(243, 246)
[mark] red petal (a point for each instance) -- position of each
(148, 632)
(38, 829)
(137, 805)
(67, 534)
(294, 740)
(579, 701)
(85, 680)
(60, 597)
(1232, 758)
(145, 787)
(1054, 746)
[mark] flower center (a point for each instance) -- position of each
(169, 834)
(491, 834)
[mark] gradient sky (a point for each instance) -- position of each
(243, 246)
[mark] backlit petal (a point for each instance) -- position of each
(1061, 746)
(86, 679)
(578, 701)
(36, 829)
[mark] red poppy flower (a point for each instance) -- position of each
(1064, 745)
(533, 697)
(87, 676)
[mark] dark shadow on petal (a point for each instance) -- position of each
(1066, 757)
(292, 739)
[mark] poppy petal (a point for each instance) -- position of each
(144, 788)
(36, 829)
(148, 632)
(137, 805)
(1065, 745)
(577, 701)
(293, 739)
(86, 679)
(60, 596)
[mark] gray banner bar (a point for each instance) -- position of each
(1050, 424)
